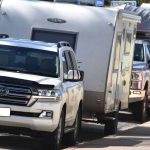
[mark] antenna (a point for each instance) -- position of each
(1, 3)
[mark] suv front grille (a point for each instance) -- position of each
(16, 95)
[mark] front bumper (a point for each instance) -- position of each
(33, 122)
(136, 95)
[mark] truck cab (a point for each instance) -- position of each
(41, 89)
(140, 80)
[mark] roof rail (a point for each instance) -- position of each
(62, 43)
(3, 36)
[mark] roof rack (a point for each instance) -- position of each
(62, 43)
(3, 36)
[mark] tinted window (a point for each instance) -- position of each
(69, 61)
(28, 60)
(65, 67)
(72, 57)
(148, 48)
(139, 52)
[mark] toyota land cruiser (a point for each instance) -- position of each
(41, 89)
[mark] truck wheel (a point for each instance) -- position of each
(148, 112)
(71, 137)
(54, 141)
(139, 109)
(111, 125)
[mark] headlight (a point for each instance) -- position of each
(137, 76)
(44, 92)
(52, 94)
(136, 81)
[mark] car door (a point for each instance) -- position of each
(76, 85)
(69, 86)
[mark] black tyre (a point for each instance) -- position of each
(111, 125)
(139, 109)
(72, 137)
(54, 141)
(148, 112)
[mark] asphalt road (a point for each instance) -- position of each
(89, 132)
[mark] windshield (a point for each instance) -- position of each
(139, 52)
(28, 60)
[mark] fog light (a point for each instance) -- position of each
(46, 114)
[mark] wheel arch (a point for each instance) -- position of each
(146, 85)
(64, 108)
(81, 105)
(81, 112)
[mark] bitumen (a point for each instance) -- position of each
(137, 138)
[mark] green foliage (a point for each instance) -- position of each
(139, 2)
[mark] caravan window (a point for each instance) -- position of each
(53, 36)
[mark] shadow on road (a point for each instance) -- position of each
(138, 136)
(89, 132)
(19, 143)
(90, 136)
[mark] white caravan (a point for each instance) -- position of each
(103, 40)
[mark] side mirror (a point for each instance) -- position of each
(74, 75)
(81, 75)
(70, 75)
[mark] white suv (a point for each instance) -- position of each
(41, 88)
(140, 81)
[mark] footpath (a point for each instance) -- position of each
(137, 138)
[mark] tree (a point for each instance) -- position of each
(139, 2)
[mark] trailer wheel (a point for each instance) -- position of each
(111, 125)
(53, 141)
(72, 137)
(140, 109)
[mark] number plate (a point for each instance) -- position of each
(4, 112)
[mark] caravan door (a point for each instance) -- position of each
(119, 81)
(112, 97)
(127, 48)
